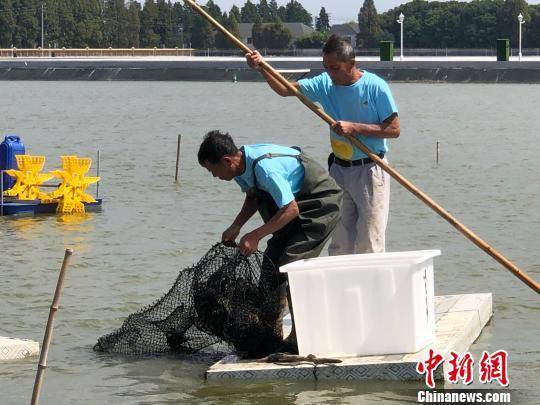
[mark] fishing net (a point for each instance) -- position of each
(225, 298)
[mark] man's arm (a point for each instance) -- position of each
(250, 241)
(248, 209)
(388, 129)
(253, 60)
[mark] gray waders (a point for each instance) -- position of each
(319, 203)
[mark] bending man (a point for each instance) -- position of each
(296, 198)
(363, 106)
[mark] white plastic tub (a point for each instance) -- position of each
(366, 304)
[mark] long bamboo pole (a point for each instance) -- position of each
(49, 329)
(397, 176)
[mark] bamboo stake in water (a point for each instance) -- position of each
(97, 174)
(177, 158)
(49, 329)
(437, 151)
(376, 159)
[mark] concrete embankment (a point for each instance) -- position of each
(479, 70)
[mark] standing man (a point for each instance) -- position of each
(296, 198)
(363, 107)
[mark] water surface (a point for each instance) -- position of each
(129, 254)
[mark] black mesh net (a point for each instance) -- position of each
(225, 298)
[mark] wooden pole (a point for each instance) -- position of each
(398, 177)
(97, 174)
(177, 158)
(437, 159)
(49, 329)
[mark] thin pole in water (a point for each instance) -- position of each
(437, 152)
(177, 158)
(97, 174)
(48, 330)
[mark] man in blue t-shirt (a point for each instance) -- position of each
(296, 198)
(363, 107)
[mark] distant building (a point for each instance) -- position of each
(347, 30)
(298, 30)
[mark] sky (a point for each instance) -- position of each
(340, 11)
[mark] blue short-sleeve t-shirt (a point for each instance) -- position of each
(368, 101)
(280, 176)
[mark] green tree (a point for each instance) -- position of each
(231, 24)
(7, 23)
(441, 25)
(234, 27)
(165, 24)
(322, 22)
(272, 36)
(115, 23)
(274, 10)
(249, 13)
(133, 23)
(478, 24)
(282, 14)
(202, 35)
(67, 24)
(313, 41)
(214, 10)
(179, 28)
(368, 25)
(187, 18)
(533, 31)
(88, 24)
(149, 16)
(265, 12)
(236, 12)
(51, 23)
(257, 35)
(295, 12)
(446, 24)
(508, 19)
(27, 30)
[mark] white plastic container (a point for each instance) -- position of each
(365, 304)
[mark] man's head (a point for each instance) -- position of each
(220, 156)
(339, 60)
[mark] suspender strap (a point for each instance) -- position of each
(269, 156)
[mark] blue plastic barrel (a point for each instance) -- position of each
(10, 147)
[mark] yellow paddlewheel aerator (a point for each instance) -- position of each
(28, 179)
(71, 194)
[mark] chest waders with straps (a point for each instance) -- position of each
(319, 203)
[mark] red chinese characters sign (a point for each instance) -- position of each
(491, 367)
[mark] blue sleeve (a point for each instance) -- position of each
(384, 101)
(313, 88)
(243, 186)
(277, 186)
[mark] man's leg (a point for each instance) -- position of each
(275, 284)
(372, 196)
(344, 236)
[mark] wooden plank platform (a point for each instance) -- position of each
(459, 321)
(13, 349)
